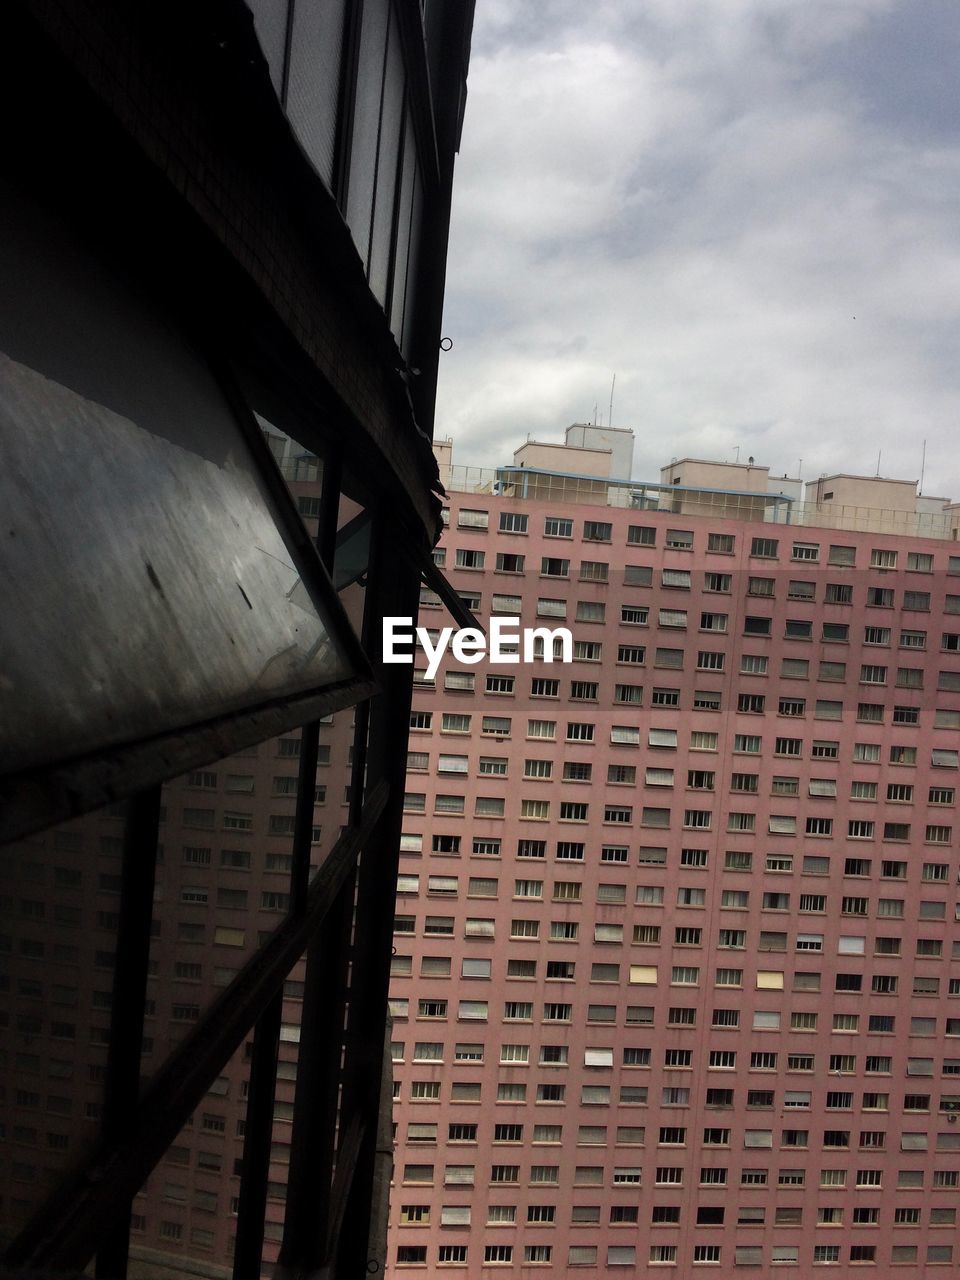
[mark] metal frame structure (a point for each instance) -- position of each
(162, 143)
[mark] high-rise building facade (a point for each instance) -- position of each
(676, 972)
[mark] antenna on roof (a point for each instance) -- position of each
(923, 463)
(879, 456)
(610, 416)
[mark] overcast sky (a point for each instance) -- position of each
(747, 210)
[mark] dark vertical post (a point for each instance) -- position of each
(266, 1041)
(257, 1138)
(394, 585)
(310, 1219)
(310, 734)
(121, 1094)
(312, 1152)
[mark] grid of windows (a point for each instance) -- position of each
(764, 855)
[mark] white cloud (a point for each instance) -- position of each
(704, 199)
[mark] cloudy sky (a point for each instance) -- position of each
(747, 210)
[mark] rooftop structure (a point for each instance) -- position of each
(718, 490)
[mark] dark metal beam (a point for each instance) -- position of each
(437, 582)
(257, 1140)
(393, 584)
(67, 1228)
(311, 1221)
(137, 877)
(262, 1094)
(38, 798)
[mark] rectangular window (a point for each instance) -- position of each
(641, 535)
(594, 571)
(590, 611)
(508, 562)
(557, 527)
(882, 559)
(806, 551)
(722, 543)
(513, 522)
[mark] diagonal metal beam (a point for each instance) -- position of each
(67, 1229)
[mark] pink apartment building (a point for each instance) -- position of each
(676, 967)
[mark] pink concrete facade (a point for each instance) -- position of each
(675, 980)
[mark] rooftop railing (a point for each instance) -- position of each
(694, 501)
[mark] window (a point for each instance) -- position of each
(621, 774)
(594, 571)
(524, 929)
(697, 819)
(553, 567)
(838, 632)
(631, 654)
(879, 636)
(628, 693)
(634, 615)
(499, 684)
(614, 853)
(713, 622)
(557, 527)
(641, 535)
(535, 810)
(672, 658)
(842, 555)
(795, 668)
(679, 539)
(764, 548)
(625, 735)
(750, 703)
(537, 768)
(882, 559)
(513, 522)
(579, 732)
(468, 558)
(509, 562)
(819, 826)
(805, 551)
(753, 665)
(498, 1253)
(663, 697)
(880, 597)
(449, 804)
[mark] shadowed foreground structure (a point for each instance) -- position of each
(224, 234)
